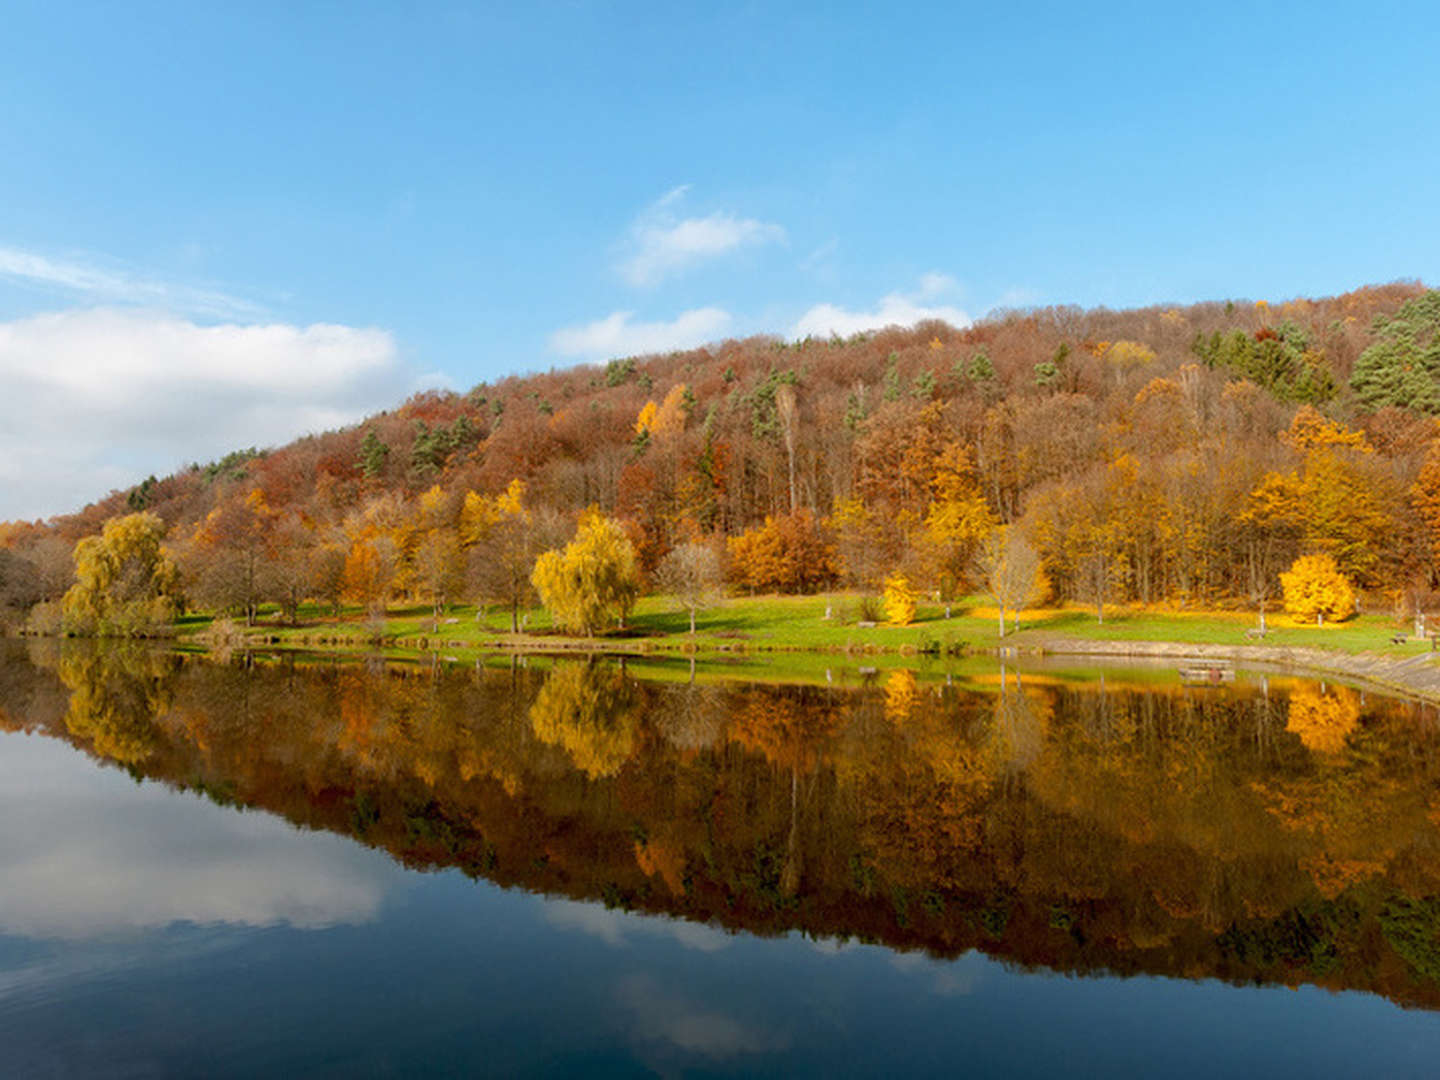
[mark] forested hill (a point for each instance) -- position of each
(1199, 448)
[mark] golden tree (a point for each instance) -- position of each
(501, 537)
(899, 600)
(125, 581)
(595, 579)
(1315, 587)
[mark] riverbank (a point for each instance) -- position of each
(802, 630)
(1364, 648)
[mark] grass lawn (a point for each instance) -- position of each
(748, 625)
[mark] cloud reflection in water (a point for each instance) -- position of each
(86, 853)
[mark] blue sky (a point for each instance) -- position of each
(224, 225)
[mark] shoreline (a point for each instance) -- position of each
(1416, 675)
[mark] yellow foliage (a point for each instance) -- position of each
(901, 691)
(590, 712)
(670, 418)
(899, 600)
(1124, 355)
(1311, 430)
(595, 579)
(646, 420)
(124, 578)
(1314, 588)
(1323, 720)
(482, 513)
(432, 506)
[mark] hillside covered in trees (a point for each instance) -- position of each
(1186, 455)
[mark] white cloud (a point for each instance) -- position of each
(111, 284)
(662, 244)
(617, 335)
(895, 309)
(96, 399)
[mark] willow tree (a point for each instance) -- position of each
(595, 579)
(125, 581)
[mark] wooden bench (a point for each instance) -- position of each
(1255, 634)
(1399, 639)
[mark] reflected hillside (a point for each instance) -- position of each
(1284, 831)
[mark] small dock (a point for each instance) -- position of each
(1206, 672)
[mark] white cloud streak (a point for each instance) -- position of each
(662, 244)
(619, 335)
(895, 309)
(95, 399)
(98, 283)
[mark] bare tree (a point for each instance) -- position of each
(691, 573)
(788, 411)
(1011, 570)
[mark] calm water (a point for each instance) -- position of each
(308, 867)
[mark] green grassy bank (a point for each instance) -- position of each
(744, 625)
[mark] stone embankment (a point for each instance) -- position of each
(1417, 676)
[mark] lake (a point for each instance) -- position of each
(311, 866)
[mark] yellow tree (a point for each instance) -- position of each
(369, 571)
(899, 600)
(670, 417)
(438, 565)
(1315, 587)
(125, 581)
(861, 541)
(499, 533)
(595, 579)
(958, 519)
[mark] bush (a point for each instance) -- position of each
(45, 619)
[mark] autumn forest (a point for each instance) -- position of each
(1218, 455)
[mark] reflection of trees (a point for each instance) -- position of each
(591, 711)
(116, 694)
(688, 716)
(1132, 829)
(1323, 717)
(1018, 735)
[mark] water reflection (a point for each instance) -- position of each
(1287, 832)
(87, 857)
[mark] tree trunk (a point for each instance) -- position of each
(1002, 620)
(692, 621)
(515, 617)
